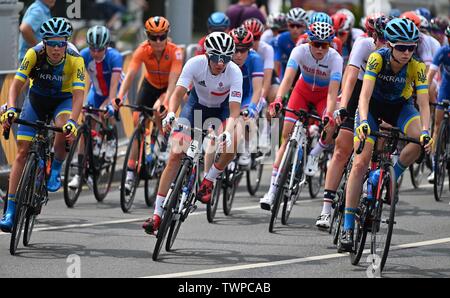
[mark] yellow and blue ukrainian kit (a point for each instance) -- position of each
(392, 99)
(51, 86)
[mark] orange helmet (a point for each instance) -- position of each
(412, 16)
(157, 25)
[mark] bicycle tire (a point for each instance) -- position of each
(168, 212)
(417, 173)
(28, 230)
(279, 194)
(314, 182)
(150, 192)
(68, 198)
(127, 203)
(337, 216)
(257, 169)
(440, 161)
(25, 190)
(231, 182)
(388, 183)
(361, 231)
(211, 207)
(100, 193)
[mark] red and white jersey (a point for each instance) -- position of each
(362, 48)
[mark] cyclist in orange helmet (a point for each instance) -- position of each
(163, 62)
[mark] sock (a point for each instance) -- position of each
(213, 173)
(273, 180)
(319, 148)
(399, 169)
(159, 205)
(11, 203)
(328, 198)
(57, 164)
(349, 220)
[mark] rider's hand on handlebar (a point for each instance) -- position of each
(168, 121)
(252, 111)
(363, 130)
(7, 118)
(116, 103)
(70, 129)
(275, 107)
(426, 141)
(224, 140)
(328, 119)
(109, 111)
(340, 116)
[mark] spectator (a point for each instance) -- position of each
(242, 11)
(36, 15)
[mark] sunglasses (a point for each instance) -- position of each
(404, 48)
(157, 37)
(56, 43)
(219, 58)
(242, 50)
(292, 26)
(318, 44)
(96, 49)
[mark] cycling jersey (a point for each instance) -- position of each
(212, 90)
(427, 48)
(267, 36)
(317, 74)
(312, 87)
(336, 43)
(50, 80)
(267, 54)
(157, 71)
(100, 72)
(283, 49)
(395, 87)
(348, 46)
(252, 68)
(361, 50)
(442, 61)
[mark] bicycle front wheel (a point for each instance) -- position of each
(440, 161)
(76, 167)
(211, 207)
(384, 220)
(254, 174)
(128, 188)
(168, 214)
(280, 192)
(105, 165)
(25, 192)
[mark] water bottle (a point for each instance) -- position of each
(372, 182)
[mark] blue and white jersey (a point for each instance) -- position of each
(283, 48)
(100, 72)
(253, 67)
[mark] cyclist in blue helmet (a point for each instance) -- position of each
(320, 17)
(392, 76)
(425, 12)
(217, 22)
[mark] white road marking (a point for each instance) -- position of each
(291, 261)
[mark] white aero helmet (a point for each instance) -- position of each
(297, 15)
(219, 43)
(350, 17)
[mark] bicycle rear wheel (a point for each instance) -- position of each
(232, 180)
(168, 214)
(25, 191)
(280, 192)
(315, 182)
(74, 166)
(211, 207)
(127, 196)
(105, 164)
(418, 173)
(384, 220)
(361, 229)
(440, 161)
(254, 174)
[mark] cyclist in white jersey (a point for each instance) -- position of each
(216, 96)
(352, 83)
(321, 73)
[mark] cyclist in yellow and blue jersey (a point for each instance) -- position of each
(56, 90)
(392, 75)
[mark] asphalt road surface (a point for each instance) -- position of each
(98, 240)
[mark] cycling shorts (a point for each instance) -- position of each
(148, 94)
(399, 115)
(37, 107)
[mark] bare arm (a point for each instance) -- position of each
(115, 78)
(175, 98)
(173, 78)
(28, 34)
(424, 109)
(267, 82)
(14, 92)
(364, 98)
(349, 82)
(77, 104)
(129, 78)
(257, 83)
(332, 96)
